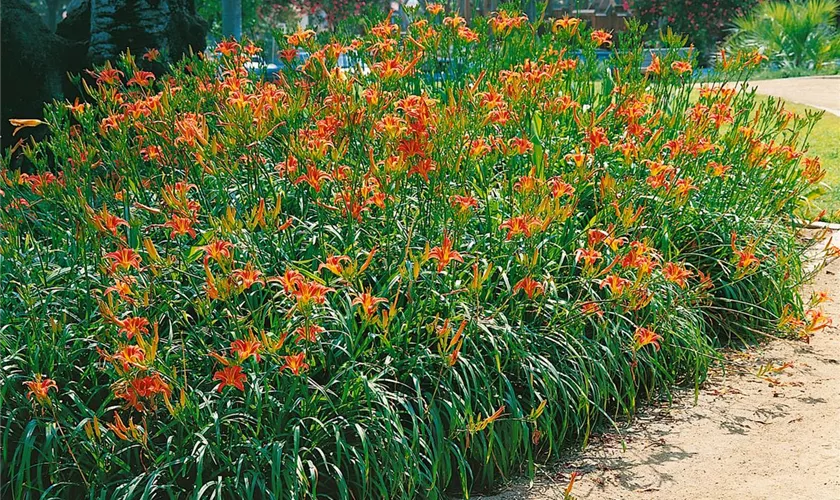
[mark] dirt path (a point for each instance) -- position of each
(746, 438)
(821, 92)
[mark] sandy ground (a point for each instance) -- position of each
(821, 92)
(745, 438)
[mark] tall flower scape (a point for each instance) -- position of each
(410, 279)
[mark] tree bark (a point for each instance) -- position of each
(168, 25)
(232, 18)
(52, 14)
(34, 67)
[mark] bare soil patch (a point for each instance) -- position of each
(747, 437)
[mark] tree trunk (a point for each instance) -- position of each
(531, 10)
(34, 69)
(168, 25)
(52, 14)
(232, 18)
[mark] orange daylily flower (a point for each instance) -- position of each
(463, 203)
(566, 23)
(681, 67)
(309, 292)
(526, 184)
(454, 21)
(615, 243)
(520, 145)
(230, 376)
(217, 250)
(123, 259)
(295, 363)
(434, 8)
(308, 333)
(655, 65)
(132, 326)
(107, 222)
(423, 168)
(20, 123)
(523, 224)
(615, 283)
(122, 285)
(152, 55)
(108, 75)
(141, 78)
(368, 303)
(444, 253)
(530, 286)
(77, 107)
(596, 236)
(288, 54)
(313, 176)
(227, 47)
(180, 226)
(644, 336)
(817, 320)
(39, 387)
(718, 169)
(503, 23)
(746, 259)
(596, 137)
(592, 308)
(334, 264)
(601, 37)
(676, 273)
(191, 129)
(467, 34)
(289, 280)
(560, 188)
(248, 276)
(143, 387)
(244, 349)
(130, 355)
(578, 158)
(300, 37)
(820, 297)
(151, 153)
(813, 171)
(588, 255)
(683, 187)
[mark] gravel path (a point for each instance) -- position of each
(745, 438)
(821, 92)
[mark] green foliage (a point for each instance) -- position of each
(704, 22)
(796, 34)
(408, 280)
(259, 17)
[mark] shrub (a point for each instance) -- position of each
(705, 23)
(415, 278)
(797, 34)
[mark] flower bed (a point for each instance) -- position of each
(380, 284)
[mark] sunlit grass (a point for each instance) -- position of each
(824, 142)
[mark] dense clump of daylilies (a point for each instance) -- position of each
(420, 273)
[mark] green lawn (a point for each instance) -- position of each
(824, 142)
